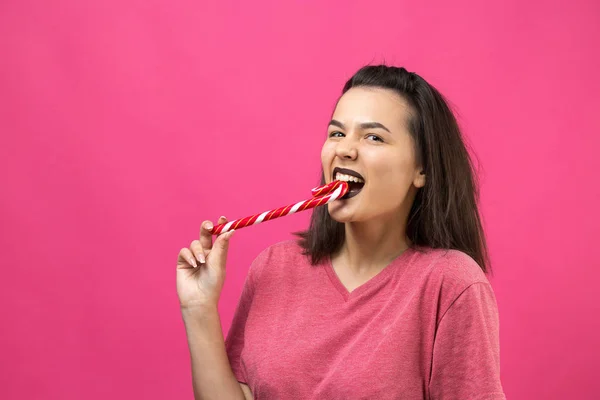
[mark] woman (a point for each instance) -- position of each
(385, 295)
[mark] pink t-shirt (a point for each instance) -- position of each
(425, 327)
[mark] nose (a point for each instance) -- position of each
(346, 149)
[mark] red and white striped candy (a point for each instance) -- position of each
(321, 195)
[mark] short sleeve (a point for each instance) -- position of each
(466, 362)
(234, 343)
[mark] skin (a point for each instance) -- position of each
(375, 219)
(201, 272)
(375, 223)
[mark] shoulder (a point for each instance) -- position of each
(450, 273)
(453, 267)
(287, 250)
(457, 267)
(278, 254)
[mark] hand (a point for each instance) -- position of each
(201, 269)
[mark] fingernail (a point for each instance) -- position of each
(230, 233)
(208, 226)
(223, 217)
(201, 258)
(193, 262)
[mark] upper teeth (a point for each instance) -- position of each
(347, 178)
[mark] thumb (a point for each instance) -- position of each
(220, 249)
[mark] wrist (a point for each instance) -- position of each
(198, 310)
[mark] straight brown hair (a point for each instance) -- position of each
(445, 212)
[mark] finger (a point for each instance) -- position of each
(221, 247)
(198, 251)
(206, 236)
(186, 259)
(207, 243)
(222, 220)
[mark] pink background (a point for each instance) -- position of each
(126, 123)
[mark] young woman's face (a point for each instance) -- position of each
(368, 137)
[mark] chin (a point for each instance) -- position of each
(341, 220)
(341, 214)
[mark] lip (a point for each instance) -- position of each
(346, 171)
(350, 172)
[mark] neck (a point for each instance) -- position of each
(371, 246)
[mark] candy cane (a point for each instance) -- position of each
(321, 195)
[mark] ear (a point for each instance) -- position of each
(419, 180)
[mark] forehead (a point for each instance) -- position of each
(372, 104)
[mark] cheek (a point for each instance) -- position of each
(392, 175)
(327, 152)
(386, 167)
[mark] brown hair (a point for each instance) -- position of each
(445, 212)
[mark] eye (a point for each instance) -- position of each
(375, 138)
(335, 134)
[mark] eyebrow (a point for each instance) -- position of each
(364, 125)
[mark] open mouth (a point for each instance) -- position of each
(355, 180)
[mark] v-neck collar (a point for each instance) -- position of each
(374, 281)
